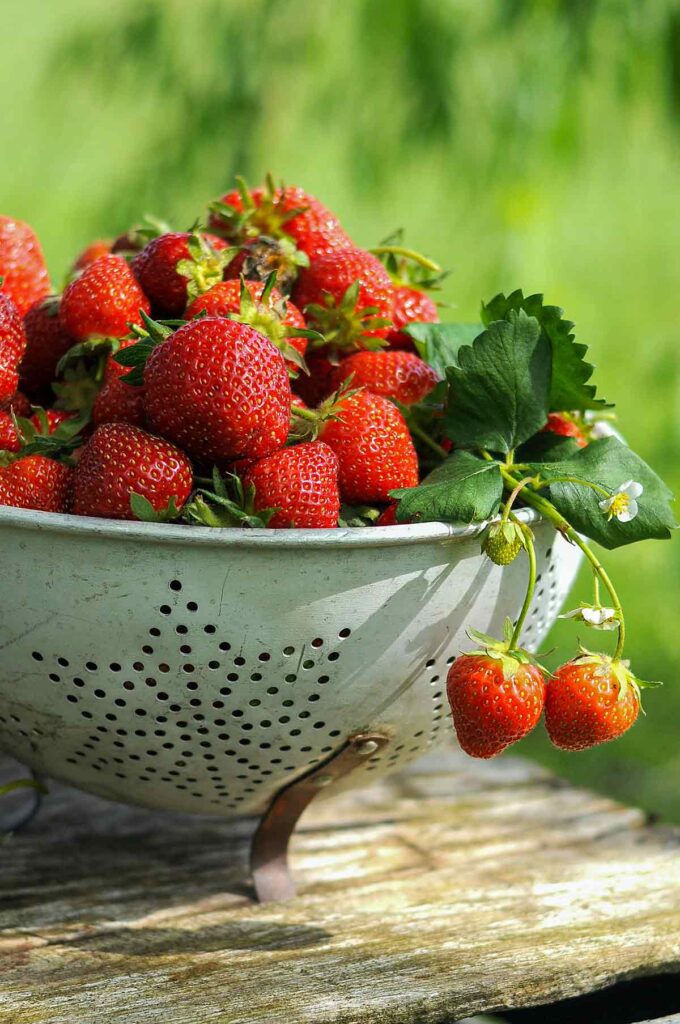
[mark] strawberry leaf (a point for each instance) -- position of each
(499, 385)
(143, 510)
(438, 344)
(464, 489)
(608, 463)
(570, 371)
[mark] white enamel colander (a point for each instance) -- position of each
(203, 670)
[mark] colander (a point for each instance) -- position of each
(204, 670)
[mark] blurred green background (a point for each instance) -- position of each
(530, 143)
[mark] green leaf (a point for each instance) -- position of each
(464, 489)
(547, 447)
(608, 463)
(570, 371)
(146, 513)
(438, 344)
(500, 385)
(358, 515)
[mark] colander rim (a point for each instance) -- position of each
(342, 538)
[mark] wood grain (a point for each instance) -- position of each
(453, 889)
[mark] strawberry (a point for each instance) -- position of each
(22, 264)
(220, 390)
(259, 306)
(402, 376)
(590, 700)
(388, 517)
(409, 305)
(317, 384)
(503, 541)
(174, 268)
(103, 301)
(18, 404)
(36, 482)
(120, 460)
(279, 213)
(9, 439)
(564, 425)
(92, 252)
(301, 482)
(118, 402)
(46, 343)
(347, 296)
(373, 445)
(495, 701)
(12, 346)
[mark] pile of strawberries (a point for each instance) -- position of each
(252, 371)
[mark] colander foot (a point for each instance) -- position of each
(25, 814)
(269, 849)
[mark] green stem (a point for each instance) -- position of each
(548, 510)
(513, 497)
(573, 480)
(531, 585)
(10, 787)
(426, 439)
(304, 414)
(409, 254)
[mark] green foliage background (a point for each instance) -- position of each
(529, 143)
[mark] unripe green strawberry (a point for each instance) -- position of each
(503, 542)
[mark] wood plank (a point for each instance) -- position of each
(451, 890)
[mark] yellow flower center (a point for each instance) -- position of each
(619, 504)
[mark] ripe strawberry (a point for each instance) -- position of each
(301, 482)
(399, 375)
(388, 517)
(174, 268)
(120, 460)
(46, 343)
(265, 310)
(36, 482)
(118, 402)
(409, 305)
(22, 264)
(18, 404)
(495, 701)
(12, 346)
(276, 213)
(220, 390)
(92, 252)
(9, 439)
(103, 301)
(590, 700)
(374, 448)
(563, 424)
(347, 296)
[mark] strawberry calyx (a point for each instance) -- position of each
(90, 354)
(205, 266)
(266, 217)
(267, 317)
(259, 257)
(139, 235)
(619, 668)
(35, 437)
(306, 423)
(143, 510)
(227, 504)
(510, 657)
(407, 267)
(134, 357)
(345, 327)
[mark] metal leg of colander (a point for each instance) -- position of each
(269, 849)
(28, 811)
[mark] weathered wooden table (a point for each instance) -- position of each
(453, 889)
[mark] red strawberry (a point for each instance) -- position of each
(388, 517)
(91, 253)
(22, 264)
(12, 347)
(347, 295)
(409, 306)
(220, 390)
(495, 701)
(565, 426)
(399, 375)
(176, 267)
(280, 212)
(103, 301)
(302, 482)
(118, 402)
(9, 439)
(18, 404)
(373, 446)
(36, 482)
(120, 460)
(271, 316)
(590, 700)
(46, 343)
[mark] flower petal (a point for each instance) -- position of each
(634, 489)
(629, 512)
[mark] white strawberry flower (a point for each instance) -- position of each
(622, 503)
(596, 617)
